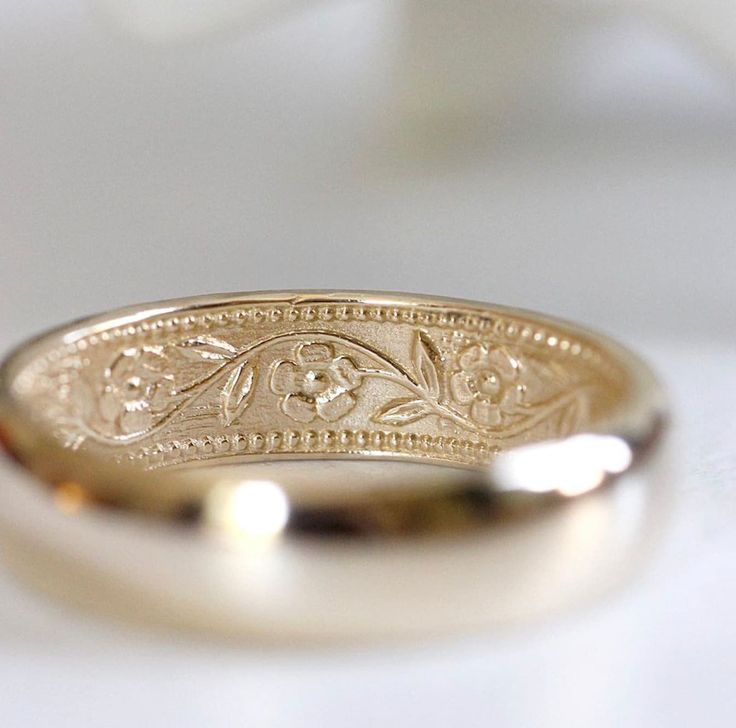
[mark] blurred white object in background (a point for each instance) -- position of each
(457, 63)
(161, 21)
(711, 21)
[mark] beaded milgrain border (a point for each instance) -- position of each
(60, 367)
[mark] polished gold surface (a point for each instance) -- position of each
(192, 410)
(312, 375)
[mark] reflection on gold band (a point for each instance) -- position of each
(196, 411)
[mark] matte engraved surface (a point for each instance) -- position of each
(298, 378)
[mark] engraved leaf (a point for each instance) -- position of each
(402, 411)
(235, 395)
(571, 416)
(543, 381)
(545, 373)
(427, 361)
(207, 347)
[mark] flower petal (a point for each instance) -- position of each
(307, 353)
(109, 405)
(136, 417)
(161, 393)
(152, 359)
(460, 388)
(485, 413)
(297, 408)
(505, 364)
(474, 358)
(512, 397)
(124, 365)
(345, 373)
(334, 409)
(285, 378)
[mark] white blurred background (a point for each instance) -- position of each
(369, 144)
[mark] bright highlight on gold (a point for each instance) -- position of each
(138, 411)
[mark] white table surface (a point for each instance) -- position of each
(268, 160)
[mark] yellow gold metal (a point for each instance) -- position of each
(190, 410)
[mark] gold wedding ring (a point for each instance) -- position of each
(194, 411)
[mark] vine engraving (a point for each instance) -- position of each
(492, 391)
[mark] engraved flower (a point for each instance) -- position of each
(317, 384)
(488, 381)
(136, 387)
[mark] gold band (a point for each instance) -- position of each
(140, 409)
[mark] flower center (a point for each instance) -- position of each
(488, 382)
(133, 385)
(314, 382)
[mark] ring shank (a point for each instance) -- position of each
(313, 375)
(191, 410)
(251, 377)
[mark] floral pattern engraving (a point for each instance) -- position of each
(136, 390)
(317, 384)
(492, 391)
(488, 381)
